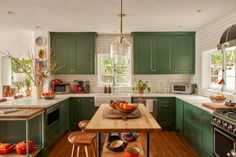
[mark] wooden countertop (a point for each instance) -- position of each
(146, 123)
(22, 114)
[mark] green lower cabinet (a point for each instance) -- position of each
(65, 115)
(207, 135)
(179, 114)
(166, 112)
(81, 109)
(192, 125)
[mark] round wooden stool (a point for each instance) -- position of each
(81, 139)
(82, 125)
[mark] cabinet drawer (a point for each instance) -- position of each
(166, 100)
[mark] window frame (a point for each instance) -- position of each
(206, 71)
(100, 84)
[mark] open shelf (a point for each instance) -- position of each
(13, 154)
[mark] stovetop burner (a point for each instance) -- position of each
(230, 114)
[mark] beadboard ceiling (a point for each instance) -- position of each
(101, 15)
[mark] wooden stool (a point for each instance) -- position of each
(82, 125)
(78, 139)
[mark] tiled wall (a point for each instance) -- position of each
(156, 82)
(207, 38)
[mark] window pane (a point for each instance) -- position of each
(106, 79)
(106, 70)
(106, 60)
(122, 79)
(122, 69)
(216, 69)
(121, 60)
(230, 69)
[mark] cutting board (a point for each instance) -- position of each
(217, 106)
(109, 112)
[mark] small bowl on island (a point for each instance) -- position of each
(48, 95)
(218, 98)
(126, 107)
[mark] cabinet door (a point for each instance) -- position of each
(88, 108)
(63, 47)
(179, 115)
(75, 104)
(64, 115)
(166, 113)
(163, 50)
(184, 54)
(144, 57)
(207, 135)
(193, 126)
(85, 54)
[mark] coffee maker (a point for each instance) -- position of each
(80, 86)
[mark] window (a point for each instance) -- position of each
(119, 71)
(213, 63)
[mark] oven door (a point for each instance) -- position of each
(53, 116)
(223, 143)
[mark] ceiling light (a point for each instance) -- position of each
(199, 10)
(10, 12)
(120, 46)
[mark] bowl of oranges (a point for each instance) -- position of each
(126, 107)
(48, 95)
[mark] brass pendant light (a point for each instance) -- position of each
(120, 46)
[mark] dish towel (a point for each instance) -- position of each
(149, 105)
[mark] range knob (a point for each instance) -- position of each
(234, 130)
(225, 125)
(230, 128)
(215, 120)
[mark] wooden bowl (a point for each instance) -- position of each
(220, 98)
(113, 103)
(117, 145)
(48, 97)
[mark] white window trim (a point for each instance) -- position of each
(99, 56)
(205, 73)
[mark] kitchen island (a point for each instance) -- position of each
(146, 123)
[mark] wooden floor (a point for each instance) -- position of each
(162, 144)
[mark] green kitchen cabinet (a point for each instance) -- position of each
(192, 125)
(164, 52)
(64, 115)
(179, 112)
(207, 135)
(166, 112)
(81, 109)
(76, 51)
(184, 53)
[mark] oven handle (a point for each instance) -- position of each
(53, 108)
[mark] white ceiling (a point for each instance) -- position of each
(101, 15)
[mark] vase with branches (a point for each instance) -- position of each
(42, 68)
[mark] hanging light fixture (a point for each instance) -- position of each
(120, 46)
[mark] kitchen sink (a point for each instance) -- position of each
(105, 98)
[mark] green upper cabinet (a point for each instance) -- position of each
(184, 53)
(164, 52)
(144, 57)
(76, 51)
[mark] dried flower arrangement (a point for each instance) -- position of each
(42, 66)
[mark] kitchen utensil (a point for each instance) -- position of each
(130, 136)
(126, 107)
(6, 148)
(218, 98)
(131, 151)
(21, 147)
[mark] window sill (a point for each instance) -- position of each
(217, 91)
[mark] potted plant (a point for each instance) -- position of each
(141, 86)
(28, 85)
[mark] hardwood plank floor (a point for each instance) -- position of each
(162, 144)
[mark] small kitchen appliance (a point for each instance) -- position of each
(80, 86)
(60, 87)
(183, 88)
(224, 127)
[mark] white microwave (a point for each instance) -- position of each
(184, 88)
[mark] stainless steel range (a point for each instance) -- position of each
(224, 122)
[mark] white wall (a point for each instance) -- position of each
(207, 38)
(17, 43)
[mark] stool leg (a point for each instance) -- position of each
(93, 149)
(73, 150)
(86, 151)
(78, 148)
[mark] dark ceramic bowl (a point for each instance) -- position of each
(117, 146)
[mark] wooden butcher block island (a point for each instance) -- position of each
(146, 123)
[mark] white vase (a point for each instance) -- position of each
(37, 92)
